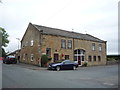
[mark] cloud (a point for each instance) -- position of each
(99, 18)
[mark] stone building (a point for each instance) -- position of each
(59, 45)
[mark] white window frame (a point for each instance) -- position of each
(69, 44)
(93, 46)
(32, 42)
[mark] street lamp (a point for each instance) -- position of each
(18, 42)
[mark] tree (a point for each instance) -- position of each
(44, 60)
(3, 40)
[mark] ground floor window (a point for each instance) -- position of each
(89, 58)
(75, 58)
(99, 58)
(23, 56)
(66, 57)
(32, 57)
(82, 58)
(94, 57)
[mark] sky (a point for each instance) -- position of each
(96, 17)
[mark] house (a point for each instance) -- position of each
(16, 53)
(59, 45)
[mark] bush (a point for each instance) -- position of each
(85, 64)
(44, 60)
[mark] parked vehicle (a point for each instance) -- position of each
(64, 65)
(1, 58)
(10, 60)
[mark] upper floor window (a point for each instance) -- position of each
(100, 47)
(63, 43)
(32, 42)
(69, 44)
(93, 46)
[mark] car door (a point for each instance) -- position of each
(66, 65)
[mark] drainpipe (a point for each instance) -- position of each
(73, 49)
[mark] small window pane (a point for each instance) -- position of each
(63, 43)
(69, 44)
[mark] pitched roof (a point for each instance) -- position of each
(64, 33)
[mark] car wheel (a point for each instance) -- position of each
(74, 67)
(58, 68)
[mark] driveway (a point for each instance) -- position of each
(17, 76)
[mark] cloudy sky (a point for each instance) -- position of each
(96, 17)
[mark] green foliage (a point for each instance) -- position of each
(3, 37)
(44, 60)
(113, 57)
(3, 41)
(3, 53)
(85, 64)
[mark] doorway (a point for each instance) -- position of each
(78, 56)
(56, 57)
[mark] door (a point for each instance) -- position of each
(56, 57)
(79, 60)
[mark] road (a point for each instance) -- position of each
(17, 76)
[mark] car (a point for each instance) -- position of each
(1, 58)
(64, 65)
(10, 60)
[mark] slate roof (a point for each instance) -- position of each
(64, 33)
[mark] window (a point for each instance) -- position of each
(23, 46)
(82, 58)
(63, 43)
(89, 58)
(99, 58)
(70, 44)
(32, 57)
(75, 58)
(93, 46)
(94, 58)
(100, 47)
(66, 57)
(32, 42)
(26, 44)
(23, 56)
(48, 52)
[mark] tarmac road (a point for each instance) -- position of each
(21, 76)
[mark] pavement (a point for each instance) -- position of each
(28, 66)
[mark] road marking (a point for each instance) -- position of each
(111, 84)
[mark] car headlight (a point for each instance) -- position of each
(53, 65)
